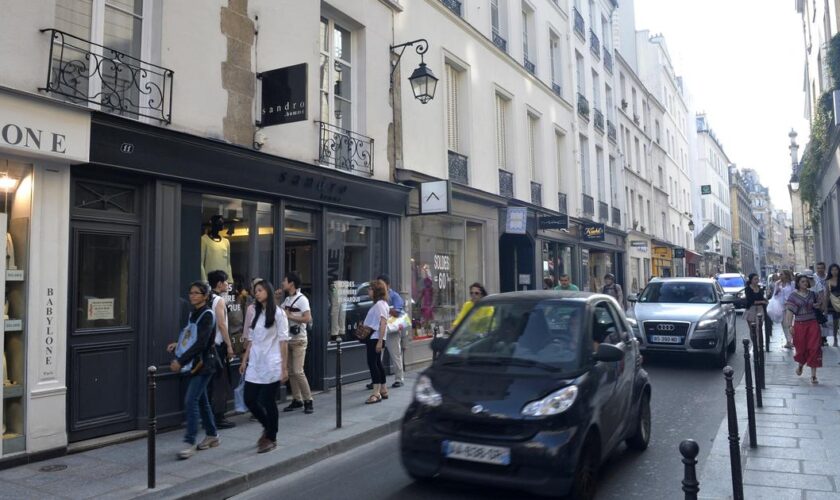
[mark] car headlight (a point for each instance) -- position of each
(742, 294)
(707, 324)
(425, 393)
(555, 403)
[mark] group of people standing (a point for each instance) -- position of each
(808, 306)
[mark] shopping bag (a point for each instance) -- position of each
(398, 323)
(776, 309)
(239, 396)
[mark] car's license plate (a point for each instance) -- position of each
(666, 339)
(476, 453)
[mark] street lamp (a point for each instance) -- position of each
(690, 225)
(423, 81)
(794, 182)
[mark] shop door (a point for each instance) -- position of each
(102, 368)
(300, 258)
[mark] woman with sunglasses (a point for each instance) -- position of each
(477, 292)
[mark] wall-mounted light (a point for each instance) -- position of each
(423, 81)
(7, 183)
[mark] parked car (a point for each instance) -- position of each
(532, 392)
(685, 314)
(735, 284)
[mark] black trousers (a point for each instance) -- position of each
(374, 361)
(219, 390)
(261, 400)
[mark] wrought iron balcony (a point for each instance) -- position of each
(603, 211)
(498, 41)
(599, 120)
(458, 168)
(85, 72)
(611, 132)
(582, 106)
(594, 44)
(453, 5)
(588, 205)
(616, 217)
(529, 66)
(536, 193)
(505, 184)
(345, 150)
(580, 29)
(608, 60)
(562, 205)
(557, 89)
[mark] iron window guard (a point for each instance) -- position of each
(505, 184)
(588, 205)
(458, 168)
(536, 193)
(345, 150)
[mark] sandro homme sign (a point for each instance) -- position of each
(283, 95)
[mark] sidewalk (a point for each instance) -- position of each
(797, 431)
(119, 471)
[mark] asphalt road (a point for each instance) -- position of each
(688, 402)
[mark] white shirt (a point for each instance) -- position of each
(216, 299)
(264, 361)
(379, 310)
(301, 303)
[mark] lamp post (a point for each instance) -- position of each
(793, 185)
(423, 81)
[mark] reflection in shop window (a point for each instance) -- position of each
(437, 273)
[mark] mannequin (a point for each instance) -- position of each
(10, 252)
(6, 380)
(215, 249)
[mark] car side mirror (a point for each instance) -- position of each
(608, 353)
(633, 297)
(728, 298)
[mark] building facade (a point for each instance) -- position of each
(711, 174)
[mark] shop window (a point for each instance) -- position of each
(107, 197)
(354, 257)
(297, 222)
(556, 261)
(103, 279)
(474, 259)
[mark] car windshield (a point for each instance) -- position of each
(731, 281)
(677, 292)
(545, 334)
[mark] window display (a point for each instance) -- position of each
(600, 263)
(556, 261)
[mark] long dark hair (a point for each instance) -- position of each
(750, 277)
(832, 266)
(480, 288)
(270, 305)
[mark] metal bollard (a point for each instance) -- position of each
(759, 351)
(152, 432)
(768, 331)
(757, 363)
(750, 403)
(689, 450)
(338, 383)
(734, 440)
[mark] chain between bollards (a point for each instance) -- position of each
(689, 450)
(338, 382)
(152, 432)
(734, 440)
(750, 403)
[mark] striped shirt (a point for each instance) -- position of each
(802, 307)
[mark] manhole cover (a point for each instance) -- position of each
(53, 468)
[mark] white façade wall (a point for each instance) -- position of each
(25, 69)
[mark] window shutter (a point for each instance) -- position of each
(501, 134)
(452, 108)
(532, 146)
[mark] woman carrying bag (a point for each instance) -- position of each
(802, 310)
(776, 308)
(372, 333)
(756, 303)
(832, 298)
(264, 363)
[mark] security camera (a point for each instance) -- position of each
(259, 140)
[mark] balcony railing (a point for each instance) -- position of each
(616, 217)
(594, 44)
(599, 120)
(458, 168)
(608, 60)
(536, 193)
(505, 184)
(82, 71)
(588, 205)
(611, 132)
(558, 90)
(453, 5)
(582, 106)
(345, 150)
(580, 29)
(499, 41)
(562, 205)
(529, 66)
(603, 211)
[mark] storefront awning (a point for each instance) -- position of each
(708, 232)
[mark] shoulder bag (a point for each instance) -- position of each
(363, 332)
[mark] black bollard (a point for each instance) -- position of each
(152, 432)
(338, 382)
(768, 332)
(734, 440)
(758, 352)
(750, 404)
(689, 450)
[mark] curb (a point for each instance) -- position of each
(226, 483)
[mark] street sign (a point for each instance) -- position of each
(517, 220)
(434, 197)
(560, 222)
(706, 189)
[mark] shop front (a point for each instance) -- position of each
(663, 260)
(155, 210)
(639, 257)
(559, 250)
(693, 263)
(602, 251)
(39, 140)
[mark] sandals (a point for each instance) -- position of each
(373, 399)
(788, 346)
(814, 380)
(383, 395)
(799, 371)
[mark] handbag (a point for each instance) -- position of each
(835, 302)
(397, 323)
(775, 309)
(363, 332)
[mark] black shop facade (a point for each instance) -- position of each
(154, 210)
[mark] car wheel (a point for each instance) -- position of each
(641, 437)
(586, 472)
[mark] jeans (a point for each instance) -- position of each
(261, 399)
(297, 379)
(374, 362)
(195, 404)
(394, 344)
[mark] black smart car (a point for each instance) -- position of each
(532, 392)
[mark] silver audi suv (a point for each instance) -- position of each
(684, 315)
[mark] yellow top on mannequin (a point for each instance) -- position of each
(215, 255)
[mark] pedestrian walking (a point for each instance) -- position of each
(819, 288)
(566, 284)
(297, 309)
(801, 310)
(613, 289)
(196, 356)
(831, 298)
(756, 304)
(219, 389)
(393, 340)
(264, 363)
(477, 292)
(781, 292)
(377, 321)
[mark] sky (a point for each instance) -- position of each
(743, 64)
